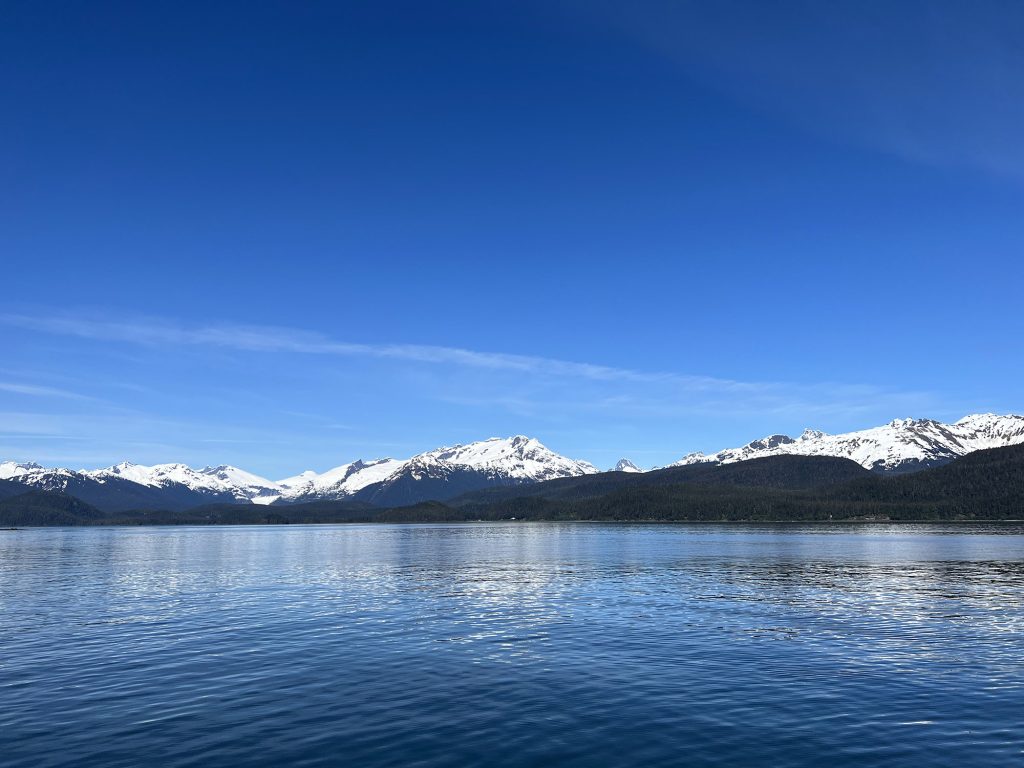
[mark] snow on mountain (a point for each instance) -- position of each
(625, 465)
(42, 478)
(118, 491)
(157, 475)
(448, 472)
(340, 482)
(497, 461)
(900, 445)
(242, 485)
(12, 469)
(988, 430)
(521, 458)
(127, 485)
(35, 475)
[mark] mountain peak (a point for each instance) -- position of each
(767, 443)
(9, 469)
(909, 423)
(625, 465)
(811, 434)
(520, 456)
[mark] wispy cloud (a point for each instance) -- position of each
(36, 436)
(35, 390)
(249, 338)
(230, 441)
(38, 424)
(642, 392)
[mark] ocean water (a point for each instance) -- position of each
(512, 645)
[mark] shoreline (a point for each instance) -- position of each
(454, 523)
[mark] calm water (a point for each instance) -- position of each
(512, 645)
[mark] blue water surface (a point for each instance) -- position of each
(512, 645)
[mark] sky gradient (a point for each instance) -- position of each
(284, 238)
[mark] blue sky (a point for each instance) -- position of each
(285, 237)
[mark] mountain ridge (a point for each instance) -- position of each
(902, 445)
(440, 473)
(444, 473)
(987, 485)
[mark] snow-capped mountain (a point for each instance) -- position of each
(625, 465)
(447, 472)
(340, 482)
(520, 458)
(900, 446)
(12, 469)
(438, 474)
(114, 491)
(244, 485)
(241, 485)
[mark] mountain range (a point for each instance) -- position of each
(439, 474)
(902, 446)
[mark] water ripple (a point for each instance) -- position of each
(511, 645)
